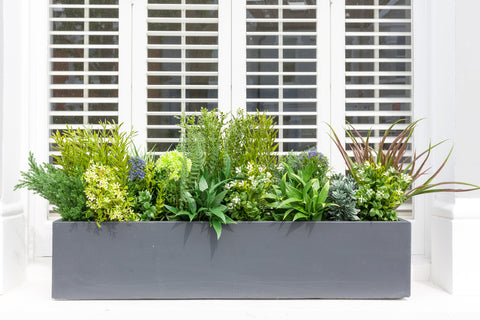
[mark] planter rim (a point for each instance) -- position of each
(400, 220)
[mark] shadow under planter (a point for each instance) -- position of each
(266, 260)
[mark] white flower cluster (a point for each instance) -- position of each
(280, 167)
(406, 178)
(234, 202)
(380, 194)
(104, 194)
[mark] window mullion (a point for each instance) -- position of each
(225, 58)
(324, 70)
(238, 65)
(280, 79)
(86, 63)
(134, 107)
(337, 79)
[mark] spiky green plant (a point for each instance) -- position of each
(66, 192)
(192, 144)
(251, 138)
(202, 141)
(395, 157)
(211, 125)
(108, 145)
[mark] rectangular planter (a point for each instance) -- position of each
(183, 260)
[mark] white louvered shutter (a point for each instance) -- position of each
(84, 38)
(379, 75)
(282, 57)
(182, 62)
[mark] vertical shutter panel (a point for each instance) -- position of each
(379, 73)
(182, 65)
(281, 76)
(84, 38)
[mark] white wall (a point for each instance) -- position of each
(455, 221)
(12, 124)
(467, 86)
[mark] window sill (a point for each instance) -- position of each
(33, 297)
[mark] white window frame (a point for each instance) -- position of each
(132, 93)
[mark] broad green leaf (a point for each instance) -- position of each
(307, 187)
(284, 203)
(287, 213)
(185, 213)
(217, 226)
(210, 198)
(293, 192)
(308, 171)
(219, 213)
(191, 215)
(318, 216)
(171, 209)
(312, 204)
(298, 178)
(300, 209)
(270, 196)
(228, 167)
(229, 220)
(202, 184)
(298, 216)
(283, 184)
(219, 198)
(192, 204)
(220, 183)
(322, 197)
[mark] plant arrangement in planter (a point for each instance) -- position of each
(222, 216)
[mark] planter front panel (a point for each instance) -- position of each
(168, 260)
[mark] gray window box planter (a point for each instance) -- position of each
(184, 260)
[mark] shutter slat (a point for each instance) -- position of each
(380, 7)
(84, 59)
(184, 33)
(174, 6)
(292, 6)
(183, 47)
(83, 86)
(182, 20)
(84, 73)
(83, 100)
(276, 33)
